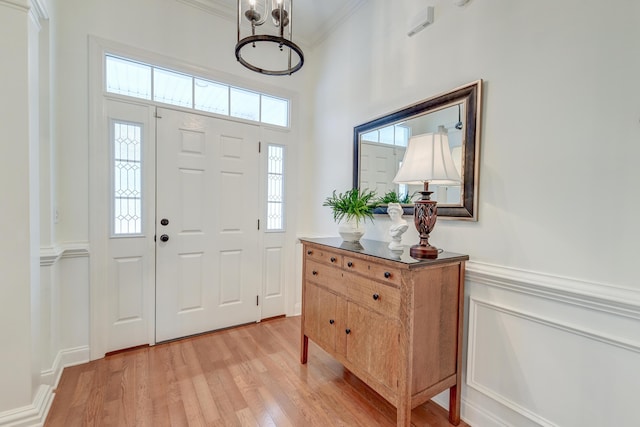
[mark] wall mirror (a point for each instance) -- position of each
(379, 146)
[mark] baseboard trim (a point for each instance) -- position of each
(470, 413)
(64, 359)
(30, 415)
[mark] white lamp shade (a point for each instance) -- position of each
(428, 158)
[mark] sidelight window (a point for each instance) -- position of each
(275, 187)
(126, 143)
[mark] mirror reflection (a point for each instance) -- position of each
(380, 145)
(382, 151)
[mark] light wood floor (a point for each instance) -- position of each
(245, 376)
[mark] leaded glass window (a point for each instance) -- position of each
(275, 188)
(127, 178)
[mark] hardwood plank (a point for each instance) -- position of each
(246, 376)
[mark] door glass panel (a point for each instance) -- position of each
(275, 188)
(127, 178)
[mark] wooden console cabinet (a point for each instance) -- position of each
(394, 321)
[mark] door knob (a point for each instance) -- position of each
(164, 221)
(164, 238)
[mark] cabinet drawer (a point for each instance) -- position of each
(374, 295)
(324, 256)
(325, 275)
(372, 270)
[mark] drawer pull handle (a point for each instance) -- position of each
(333, 259)
(331, 321)
(309, 252)
(315, 273)
(376, 297)
(387, 274)
(348, 331)
(350, 264)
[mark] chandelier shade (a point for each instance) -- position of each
(264, 43)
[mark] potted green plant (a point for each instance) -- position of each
(354, 207)
(393, 197)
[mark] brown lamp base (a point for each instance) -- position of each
(418, 251)
(425, 214)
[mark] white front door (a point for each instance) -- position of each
(379, 164)
(208, 263)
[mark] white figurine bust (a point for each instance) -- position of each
(398, 226)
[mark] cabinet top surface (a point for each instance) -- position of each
(381, 250)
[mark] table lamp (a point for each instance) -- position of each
(427, 159)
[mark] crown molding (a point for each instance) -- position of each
(16, 4)
(348, 8)
(215, 7)
(224, 10)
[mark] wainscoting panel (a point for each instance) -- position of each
(549, 351)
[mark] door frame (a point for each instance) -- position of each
(99, 177)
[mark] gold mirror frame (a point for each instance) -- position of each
(470, 96)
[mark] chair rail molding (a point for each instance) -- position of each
(52, 254)
(607, 298)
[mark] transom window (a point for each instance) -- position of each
(391, 135)
(145, 81)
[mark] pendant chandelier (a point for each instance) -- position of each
(265, 37)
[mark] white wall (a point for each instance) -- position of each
(558, 160)
(556, 184)
(558, 170)
(15, 253)
(44, 302)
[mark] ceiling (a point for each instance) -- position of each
(313, 19)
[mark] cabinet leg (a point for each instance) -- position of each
(454, 405)
(304, 349)
(403, 415)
